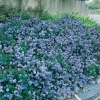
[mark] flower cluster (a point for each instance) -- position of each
(46, 60)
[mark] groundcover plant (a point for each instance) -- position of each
(42, 60)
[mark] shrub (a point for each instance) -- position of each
(26, 15)
(10, 11)
(39, 12)
(47, 60)
(58, 15)
(2, 18)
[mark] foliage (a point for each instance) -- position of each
(86, 20)
(39, 9)
(42, 60)
(38, 12)
(95, 4)
(10, 11)
(58, 15)
(93, 70)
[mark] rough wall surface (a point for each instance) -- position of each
(52, 6)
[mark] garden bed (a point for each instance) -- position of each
(47, 60)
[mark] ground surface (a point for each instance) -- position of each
(95, 17)
(93, 94)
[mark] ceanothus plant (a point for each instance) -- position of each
(46, 60)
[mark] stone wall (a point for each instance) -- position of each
(52, 6)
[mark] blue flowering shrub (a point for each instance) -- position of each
(42, 60)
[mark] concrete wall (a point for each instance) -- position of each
(52, 6)
(61, 6)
